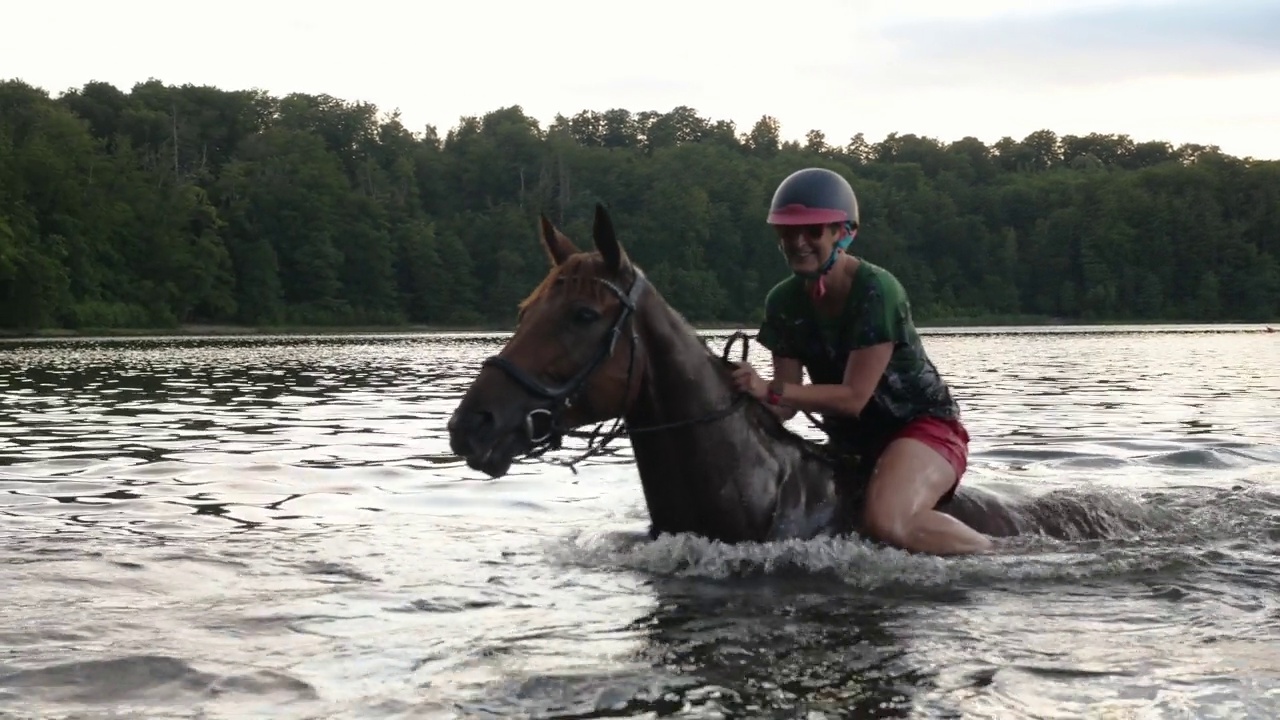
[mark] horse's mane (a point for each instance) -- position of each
(773, 426)
(566, 272)
(538, 292)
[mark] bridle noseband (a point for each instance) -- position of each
(563, 396)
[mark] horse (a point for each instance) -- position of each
(596, 341)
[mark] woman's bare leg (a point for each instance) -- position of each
(909, 479)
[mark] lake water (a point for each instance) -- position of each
(274, 527)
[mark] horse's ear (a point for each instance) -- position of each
(607, 242)
(559, 247)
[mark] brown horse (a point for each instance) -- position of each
(596, 341)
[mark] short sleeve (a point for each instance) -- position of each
(883, 313)
(775, 330)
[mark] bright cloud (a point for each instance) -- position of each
(1191, 71)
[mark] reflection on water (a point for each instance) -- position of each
(275, 527)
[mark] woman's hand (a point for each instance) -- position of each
(746, 380)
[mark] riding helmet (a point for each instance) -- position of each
(814, 196)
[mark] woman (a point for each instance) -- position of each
(848, 322)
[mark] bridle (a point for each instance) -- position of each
(562, 397)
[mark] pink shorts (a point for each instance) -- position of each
(947, 436)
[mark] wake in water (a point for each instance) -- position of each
(1142, 533)
(844, 627)
(153, 679)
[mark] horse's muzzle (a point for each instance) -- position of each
(475, 436)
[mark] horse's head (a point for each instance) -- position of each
(572, 360)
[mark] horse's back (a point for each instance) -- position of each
(983, 510)
(1056, 514)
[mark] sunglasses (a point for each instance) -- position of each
(792, 232)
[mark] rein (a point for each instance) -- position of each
(544, 427)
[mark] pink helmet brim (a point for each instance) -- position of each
(801, 215)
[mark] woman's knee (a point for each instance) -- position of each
(885, 517)
(886, 526)
(908, 480)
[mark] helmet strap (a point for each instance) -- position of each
(820, 286)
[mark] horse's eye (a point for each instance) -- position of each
(585, 315)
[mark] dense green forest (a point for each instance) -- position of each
(170, 205)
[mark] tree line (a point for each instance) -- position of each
(169, 205)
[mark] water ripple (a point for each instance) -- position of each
(274, 526)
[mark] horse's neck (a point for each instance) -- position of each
(707, 472)
(682, 383)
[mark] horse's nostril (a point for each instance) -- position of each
(470, 431)
(476, 422)
(471, 423)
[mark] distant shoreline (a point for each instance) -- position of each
(223, 330)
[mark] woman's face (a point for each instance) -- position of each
(806, 247)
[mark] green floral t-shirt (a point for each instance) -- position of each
(877, 311)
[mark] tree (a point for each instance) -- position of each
(171, 204)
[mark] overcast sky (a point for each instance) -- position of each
(1204, 71)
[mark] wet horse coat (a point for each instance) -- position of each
(596, 341)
